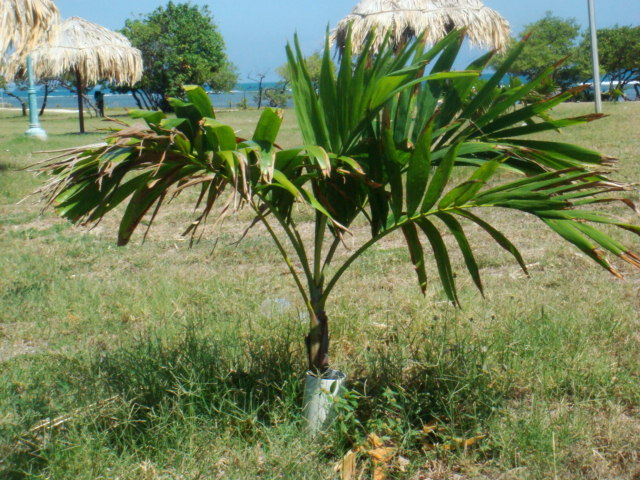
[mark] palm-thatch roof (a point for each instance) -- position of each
(90, 53)
(95, 52)
(24, 23)
(405, 19)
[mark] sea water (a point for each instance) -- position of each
(64, 99)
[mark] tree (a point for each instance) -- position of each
(278, 95)
(552, 39)
(313, 64)
(383, 143)
(51, 84)
(619, 52)
(3, 86)
(180, 45)
(22, 84)
(259, 79)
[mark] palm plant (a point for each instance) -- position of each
(382, 140)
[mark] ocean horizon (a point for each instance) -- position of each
(64, 99)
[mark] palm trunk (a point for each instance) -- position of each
(318, 342)
(323, 384)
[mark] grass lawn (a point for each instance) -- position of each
(160, 361)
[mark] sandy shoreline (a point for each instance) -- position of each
(48, 110)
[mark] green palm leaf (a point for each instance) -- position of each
(383, 143)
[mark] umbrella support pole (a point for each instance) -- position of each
(35, 130)
(80, 100)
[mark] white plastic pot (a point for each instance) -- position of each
(319, 395)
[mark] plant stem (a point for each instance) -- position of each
(343, 268)
(403, 221)
(321, 224)
(331, 253)
(298, 245)
(286, 258)
(318, 340)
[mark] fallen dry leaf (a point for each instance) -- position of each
(472, 441)
(374, 440)
(429, 428)
(347, 466)
(455, 443)
(403, 463)
(379, 472)
(382, 454)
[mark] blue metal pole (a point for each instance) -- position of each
(35, 130)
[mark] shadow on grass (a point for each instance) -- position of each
(121, 397)
(244, 387)
(85, 134)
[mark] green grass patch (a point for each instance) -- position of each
(162, 361)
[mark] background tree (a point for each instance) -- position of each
(3, 86)
(278, 95)
(619, 50)
(313, 64)
(259, 79)
(50, 84)
(180, 45)
(552, 39)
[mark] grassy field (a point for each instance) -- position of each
(160, 361)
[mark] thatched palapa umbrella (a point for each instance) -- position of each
(91, 53)
(24, 23)
(405, 19)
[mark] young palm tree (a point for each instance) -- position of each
(382, 139)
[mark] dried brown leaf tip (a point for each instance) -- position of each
(435, 438)
(600, 255)
(631, 258)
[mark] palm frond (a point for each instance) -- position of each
(384, 135)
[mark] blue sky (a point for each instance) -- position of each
(256, 31)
